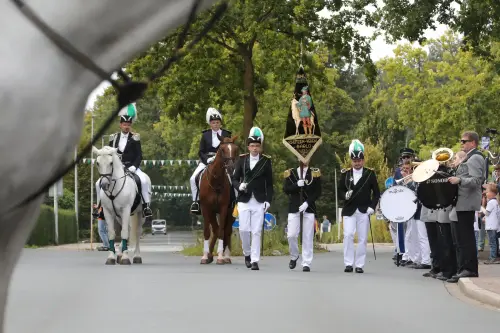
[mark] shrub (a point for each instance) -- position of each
(44, 232)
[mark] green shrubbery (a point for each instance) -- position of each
(44, 232)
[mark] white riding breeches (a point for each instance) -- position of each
(251, 219)
(192, 180)
(307, 237)
(144, 186)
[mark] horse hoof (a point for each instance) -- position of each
(111, 261)
(227, 261)
(137, 260)
(204, 261)
(220, 262)
(125, 261)
(119, 258)
(210, 259)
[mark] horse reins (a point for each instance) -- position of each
(127, 92)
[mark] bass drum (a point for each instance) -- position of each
(398, 204)
(436, 192)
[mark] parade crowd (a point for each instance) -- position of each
(444, 241)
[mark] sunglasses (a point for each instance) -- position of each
(465, 141)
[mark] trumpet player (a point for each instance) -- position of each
(359, 186)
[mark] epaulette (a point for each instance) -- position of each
(136, 136)
(345, 170)
(266, 156)
(287, 173)
(316, 172)
(241, 155)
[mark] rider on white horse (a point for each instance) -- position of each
(209, 144)
(129, 148)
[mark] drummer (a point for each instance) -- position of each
(412, 253)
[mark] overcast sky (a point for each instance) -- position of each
(380, 49)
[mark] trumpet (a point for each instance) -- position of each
(404, 180)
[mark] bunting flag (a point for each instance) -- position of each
(170, 187)
(153, 163)
(302, 133)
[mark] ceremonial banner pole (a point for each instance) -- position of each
(302, 133)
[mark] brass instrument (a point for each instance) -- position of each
(442, 155)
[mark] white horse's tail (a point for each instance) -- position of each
(134, 224)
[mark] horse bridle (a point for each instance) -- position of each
(128, 91)
(109, 177)
(225, 159)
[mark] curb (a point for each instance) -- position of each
(471, 290)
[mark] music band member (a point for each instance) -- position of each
(417, 244)
(253, 178)
(358, 185)
(310, 185)
(209, 144)
(469, 177)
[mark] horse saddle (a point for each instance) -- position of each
(138, 195)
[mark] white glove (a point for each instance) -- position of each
(243, 186)
(483, 210)
(132, 168)
(370, 211)
(210, 159)
(348, 195)
(266, 206)
(303, 207)
(300, 182)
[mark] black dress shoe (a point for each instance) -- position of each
(429, 274)
(248, 261)
(466, 274)
(348, 269)
(359, 270)
(422, 266)
(412, 265)
(293, 263)
(443, 277)
(306, 269)
(453, 279)
(255, 266)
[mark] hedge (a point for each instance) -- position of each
(44, 232)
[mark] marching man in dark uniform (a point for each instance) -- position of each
(209, 144)
(253, 178)
(129, 147)
(310, 185)
(358, 185)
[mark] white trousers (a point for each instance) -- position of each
(359, 223)
(423, 244)
(144, 186)
(412, 250)
(393, 228)
(192, 180)
(251, 219)
(293, 229)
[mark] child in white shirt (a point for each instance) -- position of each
(492, 213)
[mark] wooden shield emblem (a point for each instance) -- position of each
(302, 133)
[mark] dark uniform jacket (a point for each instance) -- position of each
(310, 191)
(365, 193)
(133, 151)
(259, 180)
(206, 149)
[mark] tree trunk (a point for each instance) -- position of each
(250, 102)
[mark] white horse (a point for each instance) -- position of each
(118, 197)
(43, 93)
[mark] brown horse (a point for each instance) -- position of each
(215, 198)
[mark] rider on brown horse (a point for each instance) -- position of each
(253, 178)
(209, 144)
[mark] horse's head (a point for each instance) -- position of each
(229, 152)
(105, 159)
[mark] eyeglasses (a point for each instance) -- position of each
(465, 141)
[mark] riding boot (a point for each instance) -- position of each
(195, 206)
(147, 210)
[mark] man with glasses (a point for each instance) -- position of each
(469, 177)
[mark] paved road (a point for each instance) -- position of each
(69, 291)
(173, 241)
